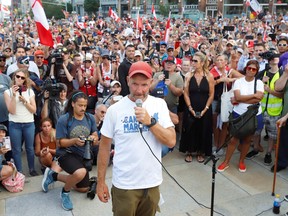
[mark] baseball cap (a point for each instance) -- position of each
(170, 47)
(38, 52)
(140, 67)
(163, 43)
(232, 42)
(3, 127)
(137, 53)
(114, 83)
(104, 52)
(88, 57)
(170, 59)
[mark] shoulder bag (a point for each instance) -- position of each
(245, 124)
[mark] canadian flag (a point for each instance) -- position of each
(113, 15)
(44, 33)
(81, 25)
(154, 12)
(139, 24)
(167, 30)
(148, 26)
(4, 9)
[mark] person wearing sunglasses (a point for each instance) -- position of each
(282, 45)
(32, 67)
(271, 108)
(197, 124)
(21, 105)
(106, 73)
(39, 60)
(244, 96)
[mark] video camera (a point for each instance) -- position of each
(57, 54)
(53, 88)
(149, 34)
(269, 55)
(87, 152)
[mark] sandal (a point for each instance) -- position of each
(188, 158)
(200, 159)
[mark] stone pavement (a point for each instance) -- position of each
(236, 193)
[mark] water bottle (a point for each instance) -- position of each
(276, 204)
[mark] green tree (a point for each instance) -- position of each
(164, 10)
(53, 8)
(91, 6)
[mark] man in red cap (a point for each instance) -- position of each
(39, 60)
(135, 188)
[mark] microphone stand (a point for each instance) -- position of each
(214, 159)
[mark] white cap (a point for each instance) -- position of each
(137, 53)
(115, 82)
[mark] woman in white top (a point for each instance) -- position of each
(244, 96)
(20, 102)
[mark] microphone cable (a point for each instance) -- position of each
(200, 204)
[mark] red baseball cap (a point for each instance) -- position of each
(140, 67)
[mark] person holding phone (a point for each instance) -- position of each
(5, 170)
(171, 82)
(198, 94)
(21, 105)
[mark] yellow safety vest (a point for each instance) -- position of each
(270, 103)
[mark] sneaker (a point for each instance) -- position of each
(220, 152)
(286, 198)
(47, 179)
(66, 201)
(242, 167)
(278, 169)
(33, 173)
(252, 154)
(268, 159)
(222, 167)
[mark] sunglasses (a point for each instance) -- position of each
(40, 57)
(282, 45)
(194, 60)
(2, 60)
(20, 77)
(254, 70)
(141, 48)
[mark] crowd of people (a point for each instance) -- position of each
(54, 99)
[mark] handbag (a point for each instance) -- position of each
(226, 105)
(245, 124)
(15, 182)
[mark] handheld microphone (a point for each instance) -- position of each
(139, 103)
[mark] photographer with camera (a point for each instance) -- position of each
(76, 131)
(87, 78)
(62, 68)
(25, 62)
(106, 73)
(55, 101)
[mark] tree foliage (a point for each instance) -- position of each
(91, 6)
(164, 10)
(53, 10)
